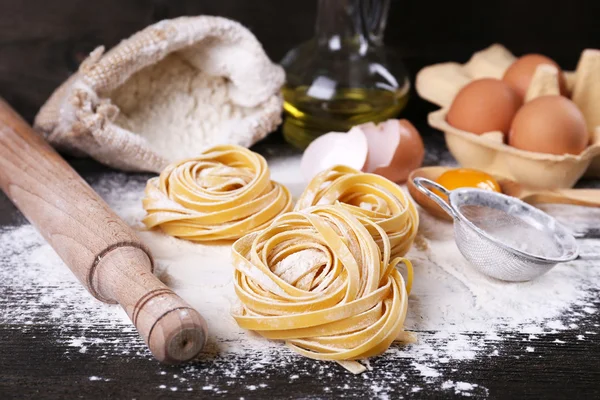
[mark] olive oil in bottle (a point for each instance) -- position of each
(344, 76)
(308, 117)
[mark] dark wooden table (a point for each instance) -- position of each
(43, 42)
(35, 362)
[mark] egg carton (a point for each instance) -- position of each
(439, 84)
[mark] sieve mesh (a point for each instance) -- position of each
(514, 231)
(506, 238)
(494, 260)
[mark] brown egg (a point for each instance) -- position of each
(484, 105)
(518, 75)
(549, 124)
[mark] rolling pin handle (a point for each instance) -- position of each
(173, 330)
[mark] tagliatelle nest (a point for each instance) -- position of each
(223, 194)
(369, 197)
(318, 280)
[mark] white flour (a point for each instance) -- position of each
(459, 314)
(198, 106)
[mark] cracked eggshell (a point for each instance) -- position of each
(395, 149)
(383, 140)
(335, 148)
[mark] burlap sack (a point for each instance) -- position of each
(164, 94)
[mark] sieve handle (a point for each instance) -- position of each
(581, 197)
(588, 256)
(421, 183)
(585, 255)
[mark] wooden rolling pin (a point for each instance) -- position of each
(101, 250)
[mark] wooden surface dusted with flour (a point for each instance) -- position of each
(102, 251)
(94, 358)
(44, 41)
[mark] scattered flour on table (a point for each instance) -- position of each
(463, 388)
(459, 314)
(98, 378)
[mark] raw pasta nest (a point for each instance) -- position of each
(223, 194)
(318, 280)
(369, 197)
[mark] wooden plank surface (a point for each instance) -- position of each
(34, 365)
(42, 43)
(90, 358)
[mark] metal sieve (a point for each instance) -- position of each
(502, 236)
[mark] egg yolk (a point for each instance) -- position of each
(463, 177)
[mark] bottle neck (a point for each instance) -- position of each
(351, 23)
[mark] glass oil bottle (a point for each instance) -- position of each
(344, 75)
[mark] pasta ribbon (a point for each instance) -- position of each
(369, 197)
(318, 280)
(223, 194)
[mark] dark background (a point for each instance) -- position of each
(42, 42)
